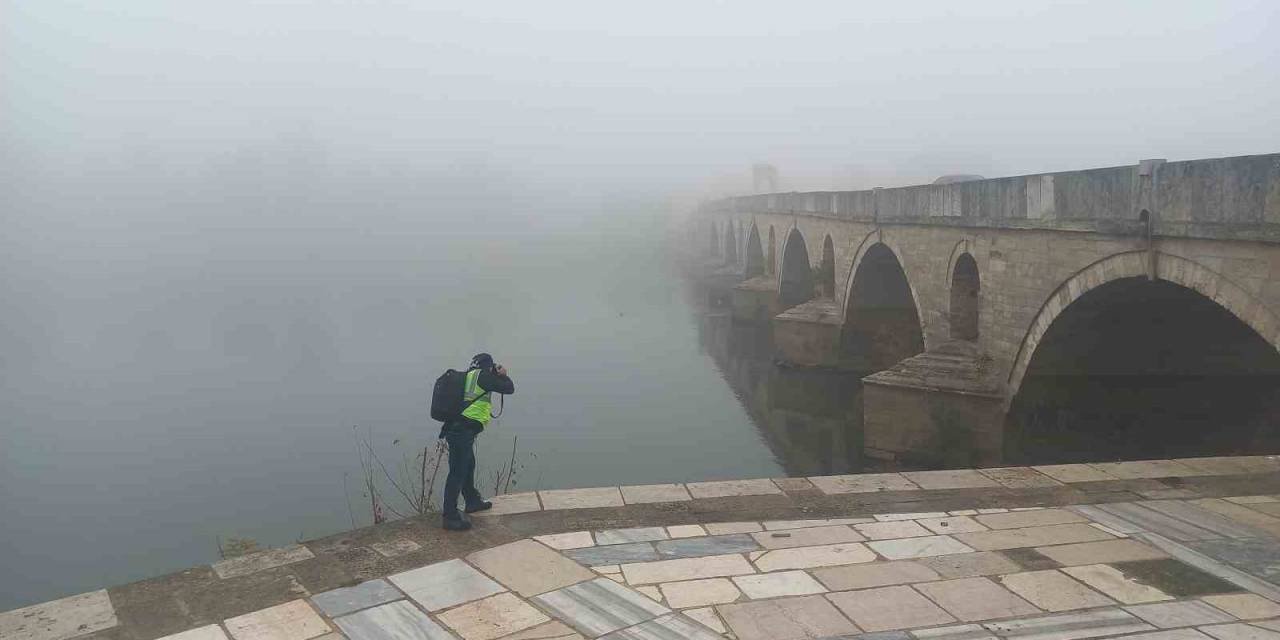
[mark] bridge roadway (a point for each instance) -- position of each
(944, 294)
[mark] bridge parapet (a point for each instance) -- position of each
(1221, 198)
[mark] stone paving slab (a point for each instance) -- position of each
(922, 547)
(700, 593)
(775, 585)
(726, 488)
(1070, 626)
(395, 621)
(889, 608)
(1101, 552)
(785, 619)
(1019, 477)
(614, 554)
(968, 565)
(1168, 615)
(565, 541)
(810, 557)
(651, 493)
(863, 483)
(669, 627)
(891, 530)
(632, 534)
(208, 632)
(592, 498)
(686, 569)
(1245, 606)
(600, 606)
(706, 546)
(876, 574)
(445, 584)
(1053, 590)
(1032, 537)
(1073, 472)
(972, 599)
(493, 617)
(782, 525)
(1023, 519)
(254, 562)
(806, 537)
(952, 479)
(60, 619)
(1115, 584)
(362, 596)
(294, 620)
(529, 568)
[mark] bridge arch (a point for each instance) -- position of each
(882, 323)
(795, 278)
(755, 253)
(771, 264)
(730, 244)
(1189, 359)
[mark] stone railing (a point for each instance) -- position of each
(1235, 198)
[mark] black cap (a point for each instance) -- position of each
(482, 361)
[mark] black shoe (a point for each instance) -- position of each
(484, 505)
(457, 523)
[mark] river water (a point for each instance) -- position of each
(156, 402)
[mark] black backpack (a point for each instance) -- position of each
(446, 396)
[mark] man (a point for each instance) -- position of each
(483, 379)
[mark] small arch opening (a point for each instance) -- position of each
(730, 244)
(965, 300)
(827, 270)
(882, 326)
(755, 254)
(772, 264)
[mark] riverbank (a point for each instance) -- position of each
(822, 553)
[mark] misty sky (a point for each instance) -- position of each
(597, 98)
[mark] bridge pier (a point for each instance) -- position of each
(808, 334)
(938, 408)
(755, 299)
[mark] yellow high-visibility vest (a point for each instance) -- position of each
(478, 410)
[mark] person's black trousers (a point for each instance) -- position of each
(462, 469)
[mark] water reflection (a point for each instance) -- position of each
(810, 418)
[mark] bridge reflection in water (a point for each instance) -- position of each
(811, 418)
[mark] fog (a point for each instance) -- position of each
(231, 231)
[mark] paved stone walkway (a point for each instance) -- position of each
(1181, 555)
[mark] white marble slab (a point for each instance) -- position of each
(1188, 613)
(294, 620)
(922, 547)
(1070, 626)
(973, 599)
(700, 593)
(1053, 590)
(686, 569)
(686, 531)
(529, 568)
(634, 534)
(445, 584)
(775, 585)
(570, 540)
(60, 619)
(806, 537)
(395, 621)
(342, 601)
(810, 557)
(600, 606)
(512, 503)
(888, 608)
(669, 627)
(494, 617)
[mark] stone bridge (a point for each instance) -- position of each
(956, 298)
